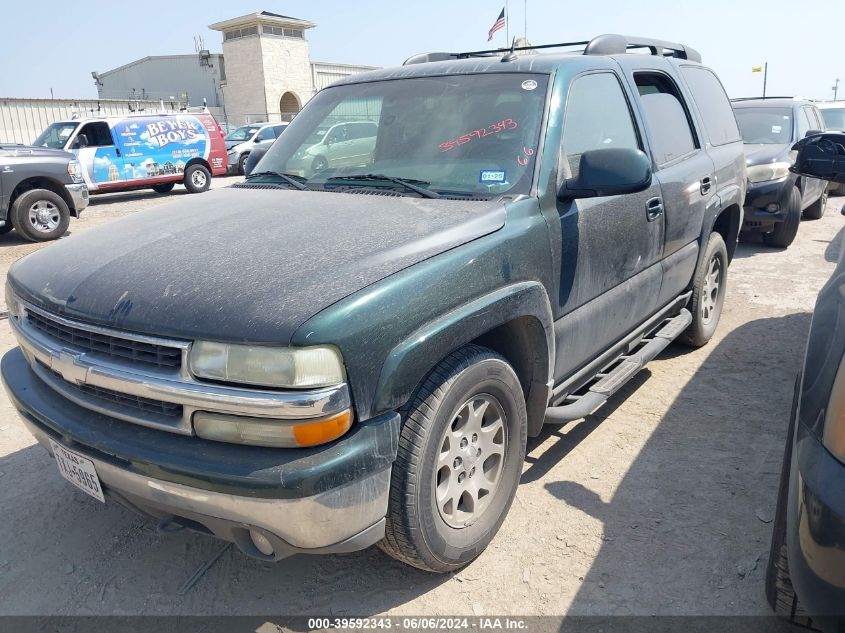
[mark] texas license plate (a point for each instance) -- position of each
(78, 470)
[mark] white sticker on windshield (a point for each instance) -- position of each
(491, 176)
(776, 129)
(529, 84)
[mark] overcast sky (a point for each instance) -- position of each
(56, 44)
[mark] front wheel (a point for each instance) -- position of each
(40, 215)
(708, 293)
(197, 179)
(460, 458)
(784, 232)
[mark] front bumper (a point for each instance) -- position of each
(234, 163)
(328, 499)
(816, 528)
(79, 195)
(759, 198)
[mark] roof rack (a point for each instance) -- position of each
(790, 97)
(608, 44)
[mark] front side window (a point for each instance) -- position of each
(97, 134)
(765, 125)
(668, 120)
(266, 134)
(55, 135)
(597, 117)
(463, 134)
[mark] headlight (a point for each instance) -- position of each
(294, 367)
(270, 432)
(12, 304)
(74, 170)
(772, 171)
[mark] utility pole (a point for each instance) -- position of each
(507, 24)
(765, 77)
(835, 89)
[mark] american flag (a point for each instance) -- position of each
(497, 25)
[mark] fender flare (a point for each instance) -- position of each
(408, 363)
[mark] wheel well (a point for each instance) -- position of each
(198, 161)
(522, 342)
(42, 183)
(727, 225)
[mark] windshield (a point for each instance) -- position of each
(769, 126)
(56, 135)
(466, 134)
(242, 133)
(834, 118)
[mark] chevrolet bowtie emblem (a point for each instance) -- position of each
(66, 364)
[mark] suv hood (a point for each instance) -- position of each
(231, 144)
(242, 264)
(30, 151)
(764, 153)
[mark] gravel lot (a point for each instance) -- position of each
(660, 503)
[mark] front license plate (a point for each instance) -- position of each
(78, 470)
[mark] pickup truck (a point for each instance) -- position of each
(354, 350)
(39, 190)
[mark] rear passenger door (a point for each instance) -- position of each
(683, 169)
(611, 246)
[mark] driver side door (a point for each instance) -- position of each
(611, 246)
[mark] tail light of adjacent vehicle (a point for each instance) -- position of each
(834, 425)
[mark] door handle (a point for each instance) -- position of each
(706, 183)
(117, 150)
(653, 209)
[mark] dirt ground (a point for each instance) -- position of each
(660, 503)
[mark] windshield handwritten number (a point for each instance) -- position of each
(528, 152)
(495, 128)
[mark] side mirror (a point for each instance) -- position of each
(80, 142)
(255, 155)
(608, 172)
(821, 156)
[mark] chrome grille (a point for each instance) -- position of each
(147, 405)
(136, 351)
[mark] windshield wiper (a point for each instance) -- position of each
(288, 178)
(409, 183)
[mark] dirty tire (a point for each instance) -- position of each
(416, 532)
(779, 591)
(164, 187)
(784, 232)
(242, 163)
(197, 179)
(816, 210)
(706, 312)
(22, 213)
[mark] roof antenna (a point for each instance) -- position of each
(511, 55)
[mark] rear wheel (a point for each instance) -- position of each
(40, 215)
(460, 457)
(784, 232)
(708, 292)
(197, 179)
(164, 187)
(816, 210)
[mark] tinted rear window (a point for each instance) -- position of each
(713, 104)
(834, 118)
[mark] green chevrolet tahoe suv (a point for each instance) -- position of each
(321, 360)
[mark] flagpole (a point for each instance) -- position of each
(507, 25)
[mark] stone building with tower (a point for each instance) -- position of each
(264, 74)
